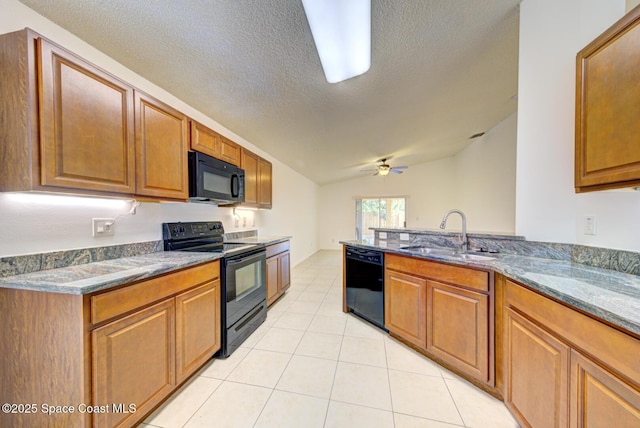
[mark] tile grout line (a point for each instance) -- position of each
(203, 403)
(333, 382)
(386, 360)
(454, 401)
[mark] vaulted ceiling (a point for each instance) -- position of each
(441, 71)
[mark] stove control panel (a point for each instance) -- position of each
(173, 231)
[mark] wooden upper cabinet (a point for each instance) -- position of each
(229, 151)
(86, 124)
(209, 142)
(205, 140)
(249, 163)
(607, 152)
(161, 149)
(257, 180)
(265, 171)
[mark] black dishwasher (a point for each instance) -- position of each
(364, 279)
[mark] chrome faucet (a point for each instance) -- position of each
(465, 246)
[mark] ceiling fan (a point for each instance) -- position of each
(384, 168)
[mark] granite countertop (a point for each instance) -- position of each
(91, 277)
(263, 240)
(606, 294)
(440, 232)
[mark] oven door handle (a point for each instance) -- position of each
(246, 258)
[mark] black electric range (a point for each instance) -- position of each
(243, 277)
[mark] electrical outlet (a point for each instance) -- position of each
(103, 226)
(404, 236)
(590, 225)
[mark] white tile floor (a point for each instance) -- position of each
(311, 365)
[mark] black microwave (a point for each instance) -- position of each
(213, 180)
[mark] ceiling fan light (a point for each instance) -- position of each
(342, 34)
(384, 169)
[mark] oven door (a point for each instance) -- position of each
(245, 282)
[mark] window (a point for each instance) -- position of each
(379, 212)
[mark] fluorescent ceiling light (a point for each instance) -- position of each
(342, 32)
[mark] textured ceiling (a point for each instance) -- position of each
(441, 71)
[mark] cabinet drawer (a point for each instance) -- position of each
(113, 303)
(606, 343)
(458, 275)
(274, 249)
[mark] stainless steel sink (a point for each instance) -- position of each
(475, 257)
(445, 252)
(429, 250)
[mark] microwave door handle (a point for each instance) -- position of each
(235, 186)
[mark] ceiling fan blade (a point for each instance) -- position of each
(376, 173)
(369, 170)
(400, 167)
(395, 171)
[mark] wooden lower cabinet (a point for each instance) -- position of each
(121, 352)
(133, 364)
(537, 374)
(405, 307)
(598, 397)
(458, 327)
(197, 328)
(278, 270)
(444, 310)
(565, 369)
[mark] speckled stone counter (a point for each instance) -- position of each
(263, 240)
(606, 294)
(91, 277)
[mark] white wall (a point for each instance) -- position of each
(479, 180)
(35, 226)
(547, 209)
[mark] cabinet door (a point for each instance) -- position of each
(197, 328)
(608, 108)
(458, 328)
(537, 372)
(272, 279)
(229, 151)
(284, 275)
(133, 363)
(87, 125)
(161, 149)
(599, 399)
(205, 140)
(250, 166)
(405, 303)
(264, 184)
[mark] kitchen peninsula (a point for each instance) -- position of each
(544, 324)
